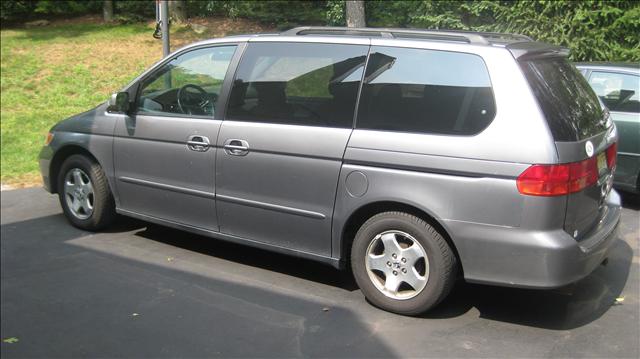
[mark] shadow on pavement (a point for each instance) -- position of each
(560, 309)
(66, 300)
(298, 267)
(564, 308)
(630, 200)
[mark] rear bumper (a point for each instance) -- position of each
(533, 259)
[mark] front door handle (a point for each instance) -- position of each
(198, 143)
(236, 147)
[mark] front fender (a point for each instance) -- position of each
(89, 133)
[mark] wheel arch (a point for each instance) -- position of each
(60, 156)
(363, 213)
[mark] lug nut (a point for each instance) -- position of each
(404, 260)
(395, 273)
(404, 270)
(388, 264)
(394, 255)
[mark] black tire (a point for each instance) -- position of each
(104, 212)
(441, 258)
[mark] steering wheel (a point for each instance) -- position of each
(194, 100)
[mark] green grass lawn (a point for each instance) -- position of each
(50, 73)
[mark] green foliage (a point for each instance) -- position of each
(283, 13)
(133, 10)
(11, 10)
(335, 13)
(422, 14)
(15, 10)
(206, 8)
(594, 30)
(69, 7)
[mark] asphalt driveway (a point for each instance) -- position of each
(149, 291)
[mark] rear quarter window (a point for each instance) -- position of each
(570, 106)
(425, 91)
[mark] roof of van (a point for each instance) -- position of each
(521, 46)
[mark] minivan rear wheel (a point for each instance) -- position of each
(84, 194)
(402, 263)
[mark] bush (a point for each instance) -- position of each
(592, 30)
(135, 9)
(282, 13)
(13, 10)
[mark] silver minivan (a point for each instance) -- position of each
(411, 157)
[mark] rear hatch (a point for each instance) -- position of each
(584, 135)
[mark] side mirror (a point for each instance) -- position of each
(119, 102)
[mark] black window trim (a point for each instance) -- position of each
(360, 87)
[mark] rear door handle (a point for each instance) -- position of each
(236, 147)
(198, 143)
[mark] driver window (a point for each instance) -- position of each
(187, 85)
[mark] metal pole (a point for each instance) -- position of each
(164, 18)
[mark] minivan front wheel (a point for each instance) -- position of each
(402, 264)
(84, 193)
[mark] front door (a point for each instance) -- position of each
(289, 118)
(165, 151)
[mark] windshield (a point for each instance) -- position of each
(570, 106)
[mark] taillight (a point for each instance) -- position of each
(558, 180)
(544, 180)
(612, 152)
(582, 174)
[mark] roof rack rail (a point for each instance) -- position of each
(496, 35)
(387, 32)
(481, 38)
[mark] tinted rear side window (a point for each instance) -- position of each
(298, 84)
(570, 106)
(425, 91)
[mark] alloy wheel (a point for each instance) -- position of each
(397, 264)
(78, 192)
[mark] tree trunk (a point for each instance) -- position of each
(107, 10)
(355, 13)
(178, 10)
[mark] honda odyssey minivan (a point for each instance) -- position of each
(412, 157)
